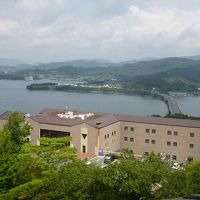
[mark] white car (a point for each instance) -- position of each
(175, 166)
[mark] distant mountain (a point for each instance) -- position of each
(86, 63)
(4, 62)
(152, 67)
(197, 57)
(138, 60)
(173, 75)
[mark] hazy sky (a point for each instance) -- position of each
(47, 30)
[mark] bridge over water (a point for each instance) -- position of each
(171, 103)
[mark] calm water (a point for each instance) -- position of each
(189, 105)
(14, 96)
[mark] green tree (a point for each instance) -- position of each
(11, 140)
(38, 164)
(193, 178)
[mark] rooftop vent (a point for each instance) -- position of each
(71, 115)
(98, 124)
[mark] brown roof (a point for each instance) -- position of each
(103, 120)
(49, 116)
(159, 121)
(50, 119)
(6, 115)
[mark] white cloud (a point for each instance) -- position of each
(44, 28)
(7, 27)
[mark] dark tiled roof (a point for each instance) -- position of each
(103, 120)
(159, 121)
(50, 119)
(49, 116)
(6, 115)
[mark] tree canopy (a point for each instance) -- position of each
(52, 171)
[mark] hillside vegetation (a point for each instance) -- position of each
(167, 74)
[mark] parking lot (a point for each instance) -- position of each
(98, 160)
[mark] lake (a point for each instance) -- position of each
(14, 96)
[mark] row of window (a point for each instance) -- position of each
(113, 133)
(170, 133)
(127, 129)
(131, 139)
(106, 144)
(175, 133)
(152, 131)
(174, 157)
(148, 141)
(175, 144)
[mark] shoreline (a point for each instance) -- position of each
(101, 90)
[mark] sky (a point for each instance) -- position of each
(57, 30)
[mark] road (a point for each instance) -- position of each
(171, 103)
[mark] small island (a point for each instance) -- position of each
(85, 88)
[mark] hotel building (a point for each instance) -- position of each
(91, 133)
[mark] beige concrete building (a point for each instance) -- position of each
(91, 133)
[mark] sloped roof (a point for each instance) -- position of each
(6, 115)
(104, 120)
(50, 116)
(50, 119)
(159, 121)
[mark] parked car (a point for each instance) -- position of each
(109, 158)
(175, 166)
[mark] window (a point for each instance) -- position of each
(191, 134)
(147, 130)
(107, 135)
(53, 134)
(174, 157)
(176, 133)
(175, 144)
(115, 132)
(27, 139)
(146, 153)
(191, 146)
(84, 135)
(153, 130)
(131, 129)
(125, 128)
(112, 133)
(146, 140)
(168, 143)
(84, 149)
(189, 159)
(168, 156)
(131, 139)
(125, 138)
(169, 132)
(153, 141)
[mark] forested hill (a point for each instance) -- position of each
(165, 74)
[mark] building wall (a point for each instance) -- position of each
(75, 133)
(35, 132)
(182, 142)
(109, 139)
(159, 140)
(2, 123)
